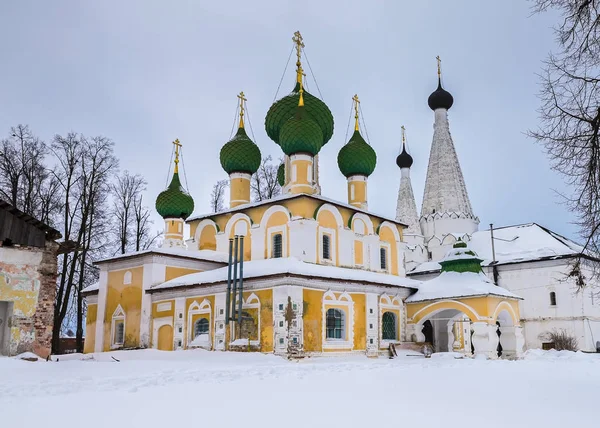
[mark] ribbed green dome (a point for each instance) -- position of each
(283, 109)
(300, 134)
(357, 157)
(281, 174)
(174, 202)
(240, 154)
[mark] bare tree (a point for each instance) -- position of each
(264, 183)
(25, 182)
(570, 117)
(217, 196)
(125, 191)
(143, 234)
(86, 166)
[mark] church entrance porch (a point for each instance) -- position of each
(481, 326)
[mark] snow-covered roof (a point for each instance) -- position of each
(292, 196)
(456, 284)
(91, 288)
(208, 255)
(292, 266)
(515, 244)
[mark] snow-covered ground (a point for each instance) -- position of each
(199, 388)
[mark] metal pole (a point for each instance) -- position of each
(228, 295)
(241, 284)
(235, 261)
(493, 249)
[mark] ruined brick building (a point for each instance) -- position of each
(28, 269)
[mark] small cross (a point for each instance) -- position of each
(177, 147)
(297, 39)
(403, 138)
(439, 64)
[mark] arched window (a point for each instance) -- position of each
(277, 245)
(335, 324)
(383, 258)
(327, 247)
(552, 298)
(388, 322)
(201, 327)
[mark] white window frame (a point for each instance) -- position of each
(346, 304)
(117, 317)
(332, 246)
(198, 309)
(272, 231)
(390, 304)
(388, 259)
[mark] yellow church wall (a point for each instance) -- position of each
(208, 238)
(360, 321)
(129, 296)
(360, 192)
(387, 235)
(90, 328)
(265, 298)
(172, 272)
(313, 320)
(358, 252)
(484, 306)
(276, 219)
(247, 238)
(156, 313)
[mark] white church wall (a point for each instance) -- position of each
(574, 312)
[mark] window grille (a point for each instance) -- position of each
(335, 324)
(277, 245)
(326, 247)
(119, 332)
(383, 258)
(201, 327)
(388, 322)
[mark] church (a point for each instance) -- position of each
(303, 274)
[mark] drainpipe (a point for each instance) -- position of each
(494, 267)
(235, 262)
(228, 295)
(241, 292)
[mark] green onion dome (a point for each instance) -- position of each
(283, 109)
(357, 157)
(240, 154)
(301, 134)
(174, 202)
(281, 174)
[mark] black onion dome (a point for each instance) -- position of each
(440, 98)
(404, 160)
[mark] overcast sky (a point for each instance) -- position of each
(146, 72)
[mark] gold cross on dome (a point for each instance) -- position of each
(242, 99)
(403, 135)
(356, 103)
(297, 39)
(177, 147)
(439, 64)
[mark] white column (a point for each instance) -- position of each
(485, 339)
(414, 333)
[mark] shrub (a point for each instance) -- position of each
(561, 340)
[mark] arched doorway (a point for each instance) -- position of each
(448, 330)
(509, 335)
(165, 338)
